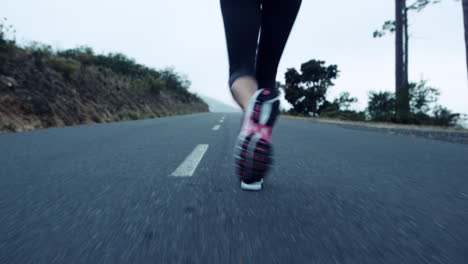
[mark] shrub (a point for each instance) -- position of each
(119, 63)
(96, 118)
(381, 106)
(149, 84)
(133, 115)
(7, 35)
(120, 116)
(39, 52)
(156, 85)
(174, 81)
(83, 54)
(10, 127)
(39, 49)
(345, 115)
(327, 106)
(68, 68)
(444, 117)
(422, 97)
(413, 118)
(344, 101)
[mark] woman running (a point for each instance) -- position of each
(253, 65)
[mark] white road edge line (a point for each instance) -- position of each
(216, 127)
(190, 164)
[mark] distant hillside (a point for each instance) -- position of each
(40, 88)
(218, 106)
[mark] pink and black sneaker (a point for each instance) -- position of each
(253, 151)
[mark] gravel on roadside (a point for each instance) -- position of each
(450, 136)
(453, 135)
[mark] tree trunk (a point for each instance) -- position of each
(399, 53)
(465, 18)
(401, 58)
(404, 86)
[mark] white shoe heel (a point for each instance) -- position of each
(254, 186)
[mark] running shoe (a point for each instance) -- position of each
(253, 151)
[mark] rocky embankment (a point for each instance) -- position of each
(39, 91)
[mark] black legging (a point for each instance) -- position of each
(242, 22)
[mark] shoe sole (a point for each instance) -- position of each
(252, 187)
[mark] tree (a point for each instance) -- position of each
(465, 19)
(400, 27)
(401, 59)
(306, 91)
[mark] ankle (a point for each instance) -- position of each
(243, 90)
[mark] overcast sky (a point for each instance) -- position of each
(189, 36)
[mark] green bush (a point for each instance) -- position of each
(344, 101)
(10, 127)
(121, 64)
(174, 81)
(68, 68)
(96, 118)
(83, 54)
(149, 84)
(7, 35)
(328, 106)
(133, 115)
(39, 49)
(156, 85)
(39, 53)
(120, 116)
(444, 117)
(381, 106)
(422, 97)
(412, 118)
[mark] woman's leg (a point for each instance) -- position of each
(278, 18)
(242, 20)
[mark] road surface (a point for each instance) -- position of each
(163, 191)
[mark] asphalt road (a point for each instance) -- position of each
(106, 194)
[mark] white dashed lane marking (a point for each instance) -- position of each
(190, 164)
(216, 127)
